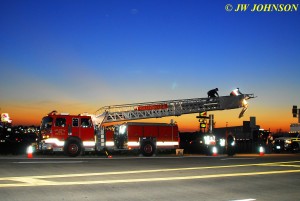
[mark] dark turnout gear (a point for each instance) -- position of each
(213, 93)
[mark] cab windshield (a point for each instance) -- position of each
(46, 123)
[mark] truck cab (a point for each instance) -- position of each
(71, 134)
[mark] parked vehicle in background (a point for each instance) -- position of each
(291, 142)
(199, 142)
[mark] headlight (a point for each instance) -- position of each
(288, 141)
(222, 142)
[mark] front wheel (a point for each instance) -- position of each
(73, 148)
(148, 148)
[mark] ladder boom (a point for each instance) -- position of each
(126, 112)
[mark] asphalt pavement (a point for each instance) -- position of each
(163, 177)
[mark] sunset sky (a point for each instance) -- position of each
(79, 55)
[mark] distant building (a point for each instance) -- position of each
(240, 132)
(295, 128)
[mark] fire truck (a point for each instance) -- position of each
(74, 134)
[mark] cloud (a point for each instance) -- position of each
(134, 11)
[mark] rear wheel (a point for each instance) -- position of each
(73, 148)
(148, 148)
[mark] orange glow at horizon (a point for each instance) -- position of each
(187, 123)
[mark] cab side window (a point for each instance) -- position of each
(85, 122)
(60, 122)
(75, 122)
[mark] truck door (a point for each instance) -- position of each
(60, 128)
(75, 127)
(86, 130)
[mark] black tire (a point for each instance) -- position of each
(73, 148)
(148, 148)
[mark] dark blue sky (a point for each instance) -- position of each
(95, 53)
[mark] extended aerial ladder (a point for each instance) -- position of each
(158, 109)
(128, 112)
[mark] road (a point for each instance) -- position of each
(242, 177)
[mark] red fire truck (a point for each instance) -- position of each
(74, 134)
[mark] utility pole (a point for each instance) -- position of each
(211, 123)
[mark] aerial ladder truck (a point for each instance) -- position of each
(158, 109)
(74, 134)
